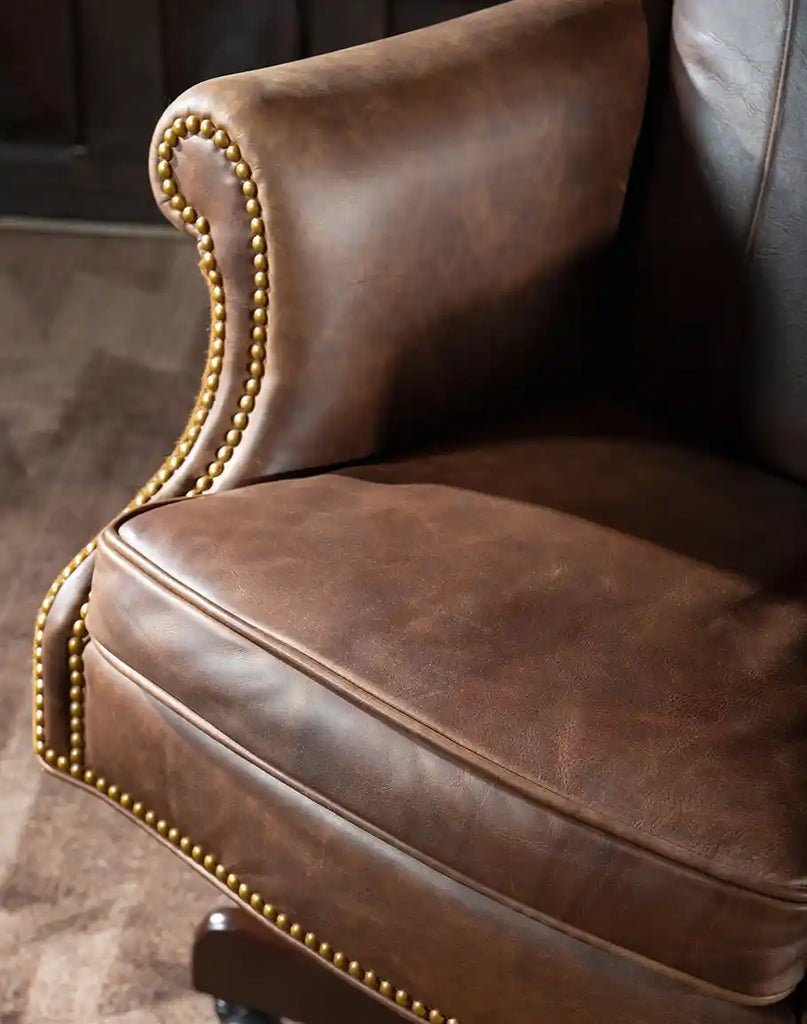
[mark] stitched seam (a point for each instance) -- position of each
(774, 127)
(327, 676)
(195, 721)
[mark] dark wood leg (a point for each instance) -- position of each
(261, 976)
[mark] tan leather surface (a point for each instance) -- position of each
(443, 942)
(579, 643)
(721, 314)
(436, 234)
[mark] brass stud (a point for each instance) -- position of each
(215, 469)
(207, 129)
(101, 784)
(259, 261)
(75, 708)
(218, 293)
(192, 124)
(185, 844)
(170, 187)
(256, 901)
(261, 280)
(419, 1008)
(39, 716)
(232, 882)
(209, 863)
(243, 171)
(370, 979)
(259, 335)
(205, 242)
(178, 202)
(206, 399)
(76, 740)
(200, 415)
(243, 891)
(233, 437)
(214, 277)
(219, 313)
(355, 969)
(61, 763)
(138, 809)
(208, 261)
(126, 800)
(402, 997)
(310, 940)
(240, 420)
(150, 818)
(221, 872)
(165, 151)
(40, 699)
(259, 315)
(225, 453)
(258, 241)
(325, 950)
(252, 386)
(89, 777)
(162, 827)
(50, 756)
(76, 756)
(164, 169)
(218, 330)
(233, 153)
(340, 960)
(453, 1020)
(113, 792)
(296, 931)
(260, 298)
(76, 770)
(202, 226)
(435, 1017)
(247, 403)
(170, 136)
(180, 127)
(282, 921)
(74, 644)
(39, 732)
(204, 483)
(269, 911)
(221, 139)
(249, 188)
(189, 214)
(253, 208)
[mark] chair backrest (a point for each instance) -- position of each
(720, 282)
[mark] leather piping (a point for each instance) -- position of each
(774, 127)
(217, 736)
(351, 690)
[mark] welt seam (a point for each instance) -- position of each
(322, 673)
(181, 709)
(774, 126)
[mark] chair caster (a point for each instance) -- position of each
(232, 1013)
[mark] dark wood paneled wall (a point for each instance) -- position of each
(82, 82)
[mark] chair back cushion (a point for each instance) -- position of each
(721, 293)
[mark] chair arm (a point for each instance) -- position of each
(389, 234)
(392, 233)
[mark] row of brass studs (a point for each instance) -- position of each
(255, 900)
(181, 128)
(74, 764)
(40, 743)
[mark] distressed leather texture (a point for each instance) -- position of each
(485, 659)
(520, 664)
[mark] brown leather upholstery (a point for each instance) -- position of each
(720, 297)
(529, 662)
(513, 717)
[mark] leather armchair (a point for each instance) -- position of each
(461, 638)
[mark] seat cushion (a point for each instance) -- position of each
(564, 666)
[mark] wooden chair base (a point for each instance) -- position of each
(257, 977)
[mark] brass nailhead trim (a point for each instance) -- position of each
(74, 764)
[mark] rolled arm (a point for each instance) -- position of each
(392, 232)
